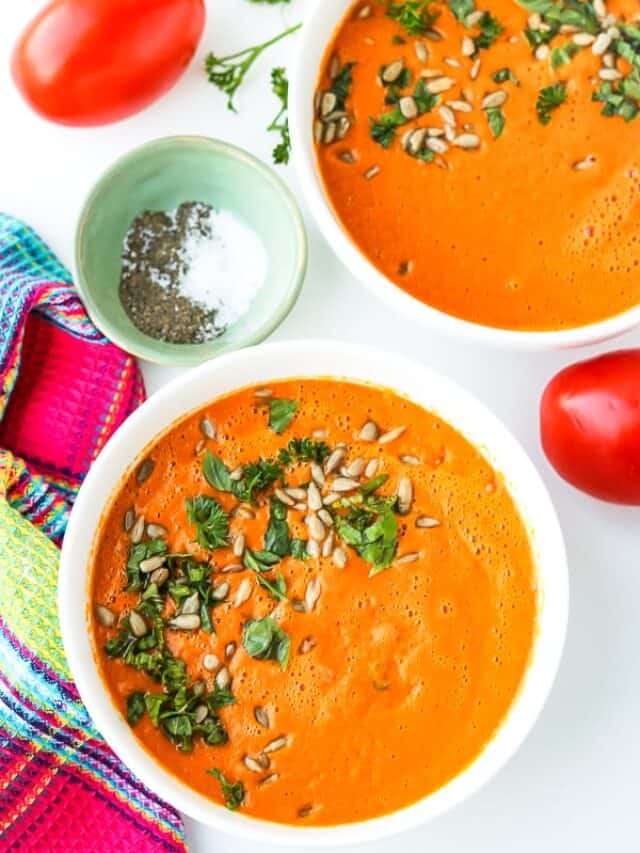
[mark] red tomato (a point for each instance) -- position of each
(590, 426)
(91, 62)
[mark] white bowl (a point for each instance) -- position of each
(318, 29)
(298, 359)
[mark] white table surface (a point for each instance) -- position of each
(574, 783)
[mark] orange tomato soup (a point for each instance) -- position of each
(536, 229)
(398, 674)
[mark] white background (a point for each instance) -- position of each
(574, 784)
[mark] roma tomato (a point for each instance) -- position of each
(590, 426)
(91, 62)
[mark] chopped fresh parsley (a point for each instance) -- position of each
(539, 37)
(563, 55)
(490, 29)
(414, 16)
(496, 120)
(211, 521)
(264, 639)
(383, 129)
(502, 75)
(256, 478)
(621, 100)
(233, 792)
(281, 413)
(549, 99)
(341, 85)
(425, 100)
(461, 8)
(303, 450)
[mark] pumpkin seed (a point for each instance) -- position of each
(185, 622)
(144, 471)
(391, 435)
(340, 557)
(137, 531)
(129, 518)
(405, 495)
(542, 52)
(210, 662)
(223, 678)
(276, 744)
(244, 512)
(139, 627)
(159, 577)
(334, 460)
(426, 521)
(262, 717)
(447, 115)
(307, 644)
(416, 140)
(587, 163)
(319, 434)
(207, 428)
(344, 126)
(150, 565)
(609, 74)
(106, 617)
(312, 594)
(243, 593)
(453, 62)
(460, 106)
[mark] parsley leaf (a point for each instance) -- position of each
(549, 99)
(211, 521)
(264, 639)
(257, 476)
(280, 124)
(138, 553)
(233, 792)
(281, 413)
(425, 100)
(383, 129)
(504, 74)
(341, 84)
(490, 29)
(373, 534)
(414, 16)
(303, 450)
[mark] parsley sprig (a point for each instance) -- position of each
(549, 99)
(280, 124)
(414, 16)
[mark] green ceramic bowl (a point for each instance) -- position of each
(160, 176)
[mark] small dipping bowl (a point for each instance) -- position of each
(161, 175)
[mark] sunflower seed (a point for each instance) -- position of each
(316, 528)
(599, 8)
(200, 714)
(243, 593)
(601, 44)
(318, 474)
(392, 71)
(145, 471)
(391, 435)
(106, 617)
(238, 545)
(298, 605)
(329, 134)
(230, 650)
(150, 565)
(408, 107)
(371, 172)
(305, 811)
(421, 51)
(223, 678)
(347, 157)
(344, 126)
(198, 688)
(207, 428)
(185, 622)
(468, 47)
(221, 591)
(314, 498)
(494, 100)
(318, 130)
(340, 557)
(232, 568)
(449, 132)
(372, 468)
(460, 106)
(542, 52)
(467, 140)
(447, 115)
(307, 644)
(137, 531)
(159, 577)
(439, 85)
(273, 777)
(137, 624)
(236, 474)
(262, 717)
(313, 548)
(452, 62)
(475, 69)
(296, 493)
(583, 39)
(334, 66)
(609, 74)
(369, 432)
(473, 18)
(356, 468)
(327, 545)
(408, 558)
(156, 531)
(263, 393)
(405, 495)
(434, 35)
(408, 459)
(587, 163)
(331, 498)
(312, 594)
(264, 761)
(364, 12)
(427, 522)
(609, 60)
(276, 744)
(334, 460)
(210, 662)
(283, 497)
(344, 484)
(200, 446)
(129, 518)
(325, 517)
(327, 104)
(244, 512)
(191, 604)
(251, 764)
(437, 145)
(416, 140)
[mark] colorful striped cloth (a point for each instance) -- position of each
(63, 390)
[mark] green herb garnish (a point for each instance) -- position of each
(373, 533)
(228, 72)
(299, 549)
(135, 707)
(461, 9)
(276, 538)
(138, 553)
(280, 124)
(383, 129)
(563, 55)
(496, 120)
(303, 450)
(414, 16)
(211, 521)
(549, 99)
(503, 75)
(490, 29)
(257, 476)
(281, 413)
(425, 100)
(233, 792)
(264, 639)
(341, 85)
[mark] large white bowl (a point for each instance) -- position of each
(320, 24)
(267, 364)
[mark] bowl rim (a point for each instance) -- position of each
(186, 355)
(304, 161)
(299, 359)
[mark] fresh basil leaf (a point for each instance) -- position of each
(233, 792)
(276, 587)
(276, 538)
(563, 55)
(299, 549)
(259, 561)
(216, 473)
(281, 413)
(502, 75)
(496, 120)
(135, 707)
(154, 703)
(264, 639)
